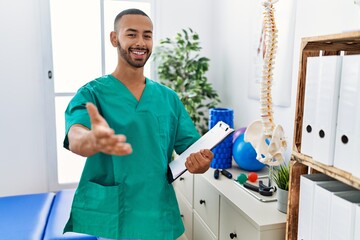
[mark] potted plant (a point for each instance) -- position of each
(281, 176)
(180, 67)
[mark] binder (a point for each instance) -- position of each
(311, 89)
(306, 199)
(322, 206)
(357, 223)
(347, 140)
(326, 109)
(342, 221)
(210, 139)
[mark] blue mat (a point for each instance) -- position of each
(24, 216)
(58, 217)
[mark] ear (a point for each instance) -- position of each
(114, 38)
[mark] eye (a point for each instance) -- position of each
(147, 36)
(132, 35)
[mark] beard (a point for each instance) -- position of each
(126, 56)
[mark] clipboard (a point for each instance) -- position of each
(210, 139)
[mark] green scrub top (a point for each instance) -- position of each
(129, 196)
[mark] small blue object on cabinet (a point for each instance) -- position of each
(222, 152)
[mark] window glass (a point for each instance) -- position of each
(69, 165)
(76, 42)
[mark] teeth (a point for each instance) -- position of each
(139, 53)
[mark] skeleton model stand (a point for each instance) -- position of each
(266, 137)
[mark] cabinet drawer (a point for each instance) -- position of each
(186, 215)
(185, 184)
(234, 225)
(206, 203)
(201, 231)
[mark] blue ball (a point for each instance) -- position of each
(245, 155)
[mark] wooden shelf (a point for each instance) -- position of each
(349, 43)
(337, 44)
(331, 171)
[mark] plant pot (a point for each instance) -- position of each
(282, 200)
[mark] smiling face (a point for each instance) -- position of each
(133, 38)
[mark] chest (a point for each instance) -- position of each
(136, 91)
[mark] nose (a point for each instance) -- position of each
(140, 41)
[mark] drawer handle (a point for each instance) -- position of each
(182, 215)
(181, 179)
(233, 235)
(202, 201)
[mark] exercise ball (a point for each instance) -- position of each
(245, 155)
(237, 133)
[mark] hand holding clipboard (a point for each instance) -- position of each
(212, 138)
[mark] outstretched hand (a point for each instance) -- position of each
(199, 162)
(105, 139)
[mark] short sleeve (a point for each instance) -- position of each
(186, 133)
(76, 112)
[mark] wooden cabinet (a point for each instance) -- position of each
(234, 225)
(184, 184)
(186, 215)
(201, 229)
(222, 210)
(206, 203)
(347, 44)
(184, 190)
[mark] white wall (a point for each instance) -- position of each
(23, 166)
(172, 16)
(224, 26)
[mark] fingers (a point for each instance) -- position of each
(199, 162)
(118, 149)
(113, 145)
(95, 117)
(207, 154)
(105, 139)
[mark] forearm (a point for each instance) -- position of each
(82, 141)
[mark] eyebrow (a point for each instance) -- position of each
(134, 30)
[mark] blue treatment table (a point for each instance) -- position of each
(37, 217)
(58, 217)
(24, 216)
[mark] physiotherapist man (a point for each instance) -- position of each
(128, 126)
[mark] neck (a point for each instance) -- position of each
(130, 76)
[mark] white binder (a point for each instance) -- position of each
(347, 141)
(306, 200)
(326, 109)
(311, 89)
(342, 222)
(357, 223)
(322, 207)
(210, 139)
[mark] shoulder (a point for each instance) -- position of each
(95, 86)
(164, 90)
(96, 83)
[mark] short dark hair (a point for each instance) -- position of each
(130, 11)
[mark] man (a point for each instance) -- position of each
(128, 126)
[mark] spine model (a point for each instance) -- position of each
(265, 136)
(267, 74)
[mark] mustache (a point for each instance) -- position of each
(133, 48)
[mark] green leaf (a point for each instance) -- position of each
(182, 68)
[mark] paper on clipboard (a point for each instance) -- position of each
(210, 139)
